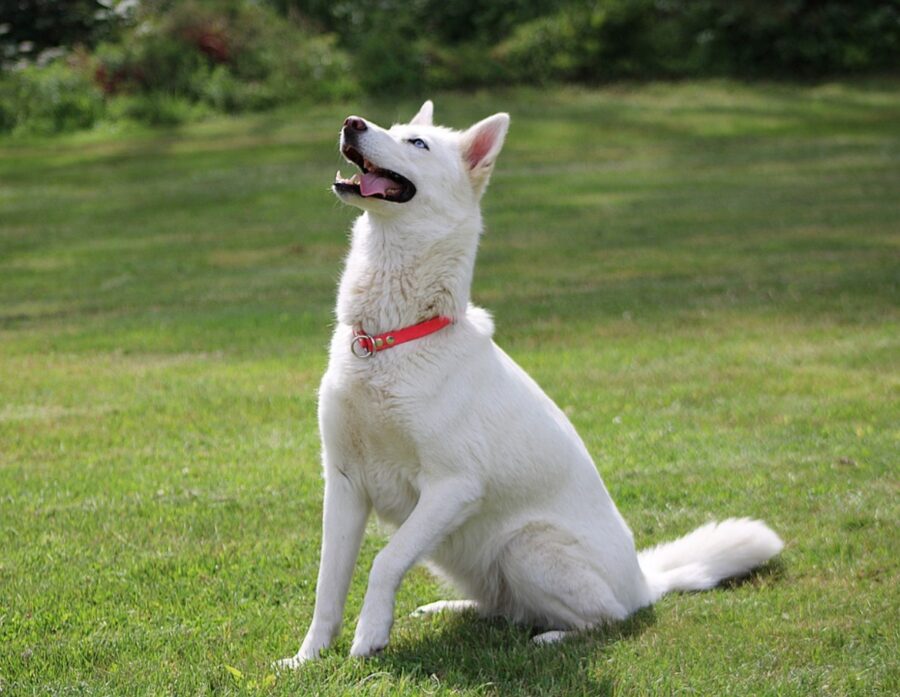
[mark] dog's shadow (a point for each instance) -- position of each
(465, 652)
(772, 571)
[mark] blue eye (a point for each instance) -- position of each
(419, 143)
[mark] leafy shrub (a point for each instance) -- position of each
(800, 38)
(557, 47)
(49, 99)
(166, 61)
(610, 39)
(441, 22)
(582, 42)
(8, 105)
(177, 61)
(235, 55)
(154, 108)
(301, 66)
(470, 64)
(386, 61)
(405, 46)
(30, 27)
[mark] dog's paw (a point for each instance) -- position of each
(369, 642)
(444, 606)
(364, 649)
(373, 628)
(306, 653)
(292, 663)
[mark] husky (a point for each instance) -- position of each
(426, 421)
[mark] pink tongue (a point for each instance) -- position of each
(370, 184)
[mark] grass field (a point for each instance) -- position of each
(705, 276)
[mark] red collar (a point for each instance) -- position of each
(365, 345)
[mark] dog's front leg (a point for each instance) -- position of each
(343, 525)
(442, 507)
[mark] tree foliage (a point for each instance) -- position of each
(163, 60)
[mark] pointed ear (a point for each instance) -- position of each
(425, 115)
(480, 146)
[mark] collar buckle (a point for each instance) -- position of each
(362, 346)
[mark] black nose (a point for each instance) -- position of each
(355, 123)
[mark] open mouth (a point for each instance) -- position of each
(373, 181)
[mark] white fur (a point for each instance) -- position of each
(454, 445)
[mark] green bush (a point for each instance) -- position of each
(49, 99)
(8, 105)
(610, 39)
(800, 38)
(388, 52)
(470, 64)
(29, 27)
(558, 47)
(582, 42)
(179, 60)
(166, 61)
(154, 108)
(302, 66)
(234, 56)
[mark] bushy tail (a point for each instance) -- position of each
(708, 555)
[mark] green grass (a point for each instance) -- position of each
(705, 276)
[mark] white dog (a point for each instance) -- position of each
(425, 419)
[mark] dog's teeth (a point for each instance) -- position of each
(354, 179)
(338, 177)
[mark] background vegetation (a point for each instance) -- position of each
(706, 281)
(75, 64)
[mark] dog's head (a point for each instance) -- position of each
(418, 167)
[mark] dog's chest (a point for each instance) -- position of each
(381, 452)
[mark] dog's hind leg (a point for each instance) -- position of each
(552, 582)
(445, 606)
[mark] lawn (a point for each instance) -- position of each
(705, 276)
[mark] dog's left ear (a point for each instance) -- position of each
(480, 146)
(425, 115)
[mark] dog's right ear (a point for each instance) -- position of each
(425, 115)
